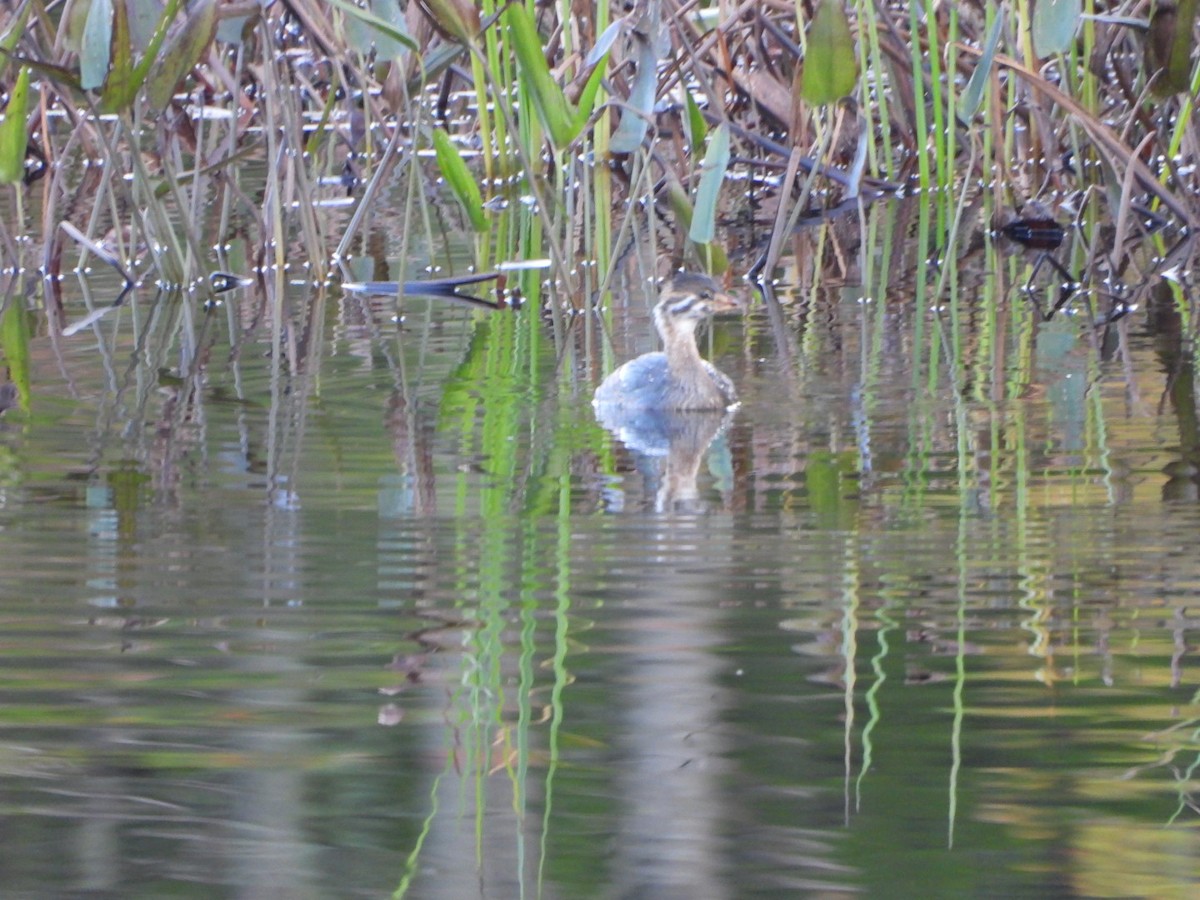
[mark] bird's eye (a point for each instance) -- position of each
(706, 295)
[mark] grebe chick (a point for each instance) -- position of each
(675, 378)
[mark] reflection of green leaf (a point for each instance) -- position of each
(458, 176)
(830, 63)
(14, 343)
(13, 136)
(1054, 24)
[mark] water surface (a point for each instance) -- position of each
(915, 624)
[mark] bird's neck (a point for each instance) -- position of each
(679, 344)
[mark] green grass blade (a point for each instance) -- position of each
(697, 127)
(587, 97)
(552, 107)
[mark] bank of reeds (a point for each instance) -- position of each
(613, 141)
(618, 126)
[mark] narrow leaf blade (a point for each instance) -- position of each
(973, 95)
(552, 107)
(13, 137)
(458, 177)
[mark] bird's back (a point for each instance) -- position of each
(648, 383)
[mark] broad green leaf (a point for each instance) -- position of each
(182, 52)
(96, 48)
(394, 30)
(830, 62)
(460, 179)
(973, 95)
(14, 344)
(712, 174)
(126, 79)
(13, 136)
(1054, 24)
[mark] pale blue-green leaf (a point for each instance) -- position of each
(831, 64)
(973, 95)
(639, 109)
(363, 34)
(712, 174)
(397, 31)
(96, 48)
(143, 20)
(1054, 24)
(604, 43)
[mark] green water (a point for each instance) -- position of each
(405, 619)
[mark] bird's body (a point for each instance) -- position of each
(675, 378)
